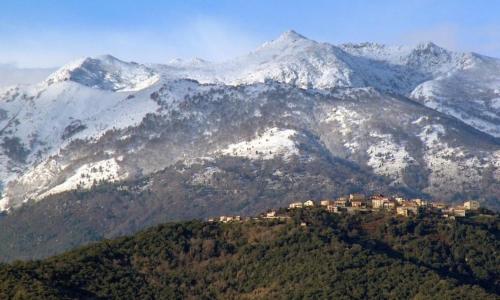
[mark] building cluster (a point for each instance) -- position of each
(361, 203)
(397, 205)
(268, 215)
(226, 219)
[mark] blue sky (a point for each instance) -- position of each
(44, 33)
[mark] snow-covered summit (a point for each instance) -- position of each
(106, 72)
(287, 38)
(425, 57)
(464, 85)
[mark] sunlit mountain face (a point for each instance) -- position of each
(292, 117)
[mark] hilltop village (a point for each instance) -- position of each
(359, 203)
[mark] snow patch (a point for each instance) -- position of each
(89, 175)
(451, 167)
(347, 119)
(106, 72)
(388, 158)
(4, 204)
(205, 176)
(272, 143)
(495, 104)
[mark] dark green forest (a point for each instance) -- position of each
(335, 256)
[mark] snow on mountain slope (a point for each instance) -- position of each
(427, 58)
(39, 121)
(469, 95)
(410, 145)
(453, 166)
(291, 58)
(463, 85)
(106, 72)
(388, 158)
(45, 119)
(271, 143)
(152, 116)
(294, 59)
(89, 175)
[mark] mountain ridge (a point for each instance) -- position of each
(105, 147)
(104, 94)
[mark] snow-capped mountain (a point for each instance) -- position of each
(423, 118)
(106, 72)
(464, 85)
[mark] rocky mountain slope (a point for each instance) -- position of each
(425, 119)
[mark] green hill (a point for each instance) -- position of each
(371, 256)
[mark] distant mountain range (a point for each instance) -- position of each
(292, 117)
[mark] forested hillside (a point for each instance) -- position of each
(314, 254)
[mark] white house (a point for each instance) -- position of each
(326, 202)
(309, 203)
(295, 205)
(471, 205)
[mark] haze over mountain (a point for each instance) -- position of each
(420, 121)
(12, 75)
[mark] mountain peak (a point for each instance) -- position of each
(105, 72)
(287, 39)
(291, 35)
(429, 46)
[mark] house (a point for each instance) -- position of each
(357, 200)
(379, 201)
(309, 203)
(271, 214)
(295, 205)
(400, 200)
(226, 219)
(326, 202)
(390, 205)
(358, 203)
(459, 211)
(439, 205)
(402, 211)
(356, 197)
(332, 208)
(341, 202)
(471, 205)
(407, 210)
(421, 203)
